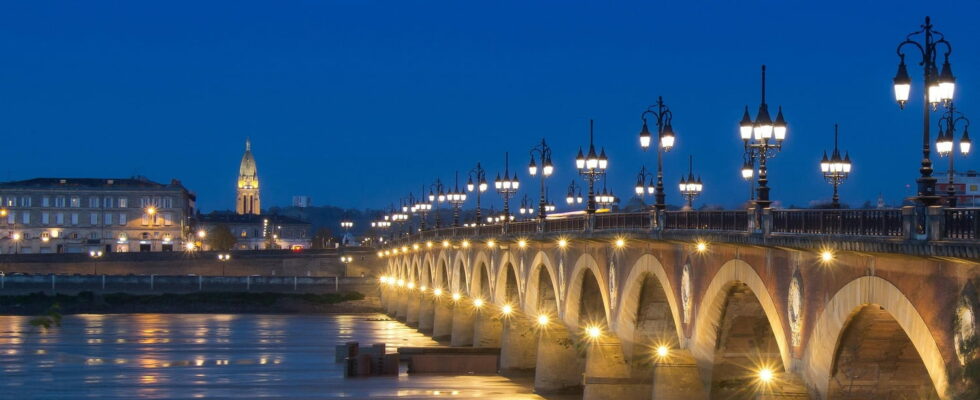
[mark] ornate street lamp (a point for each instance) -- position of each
(437, 196)
(507, 186)
(835, 169)
(346, 224)
(574, 194)
(605, 198)
(762, 139)
(591, 167)
(547, 168)
(456, 198)
(945, 144)
(421, 207)
(526, 208)
(549, 207)
(690, 187)
(940, 86)
(477, 183)
(665, 141)
(642, 189)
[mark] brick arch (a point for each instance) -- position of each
(584, 263)
(712, 305)
(629, 302)
(829, 328)
(460, 268)
(482, 261)
(540, 261)
(508, 265)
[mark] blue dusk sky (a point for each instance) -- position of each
(356, 103)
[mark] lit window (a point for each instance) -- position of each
(75, 202)
(123, 202)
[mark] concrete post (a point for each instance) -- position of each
(559, 366)
(767, 221)
(908, 222)
(427, 310)
(486, 329)
(402, 313)
(442, 321)
(464, 320)
(607, 375)
(677, 378)
(518, 346)
(412, 310)
(935, 222)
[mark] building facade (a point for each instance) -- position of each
(966, 185)
(247, 200)
(259, 232)
(75, 215)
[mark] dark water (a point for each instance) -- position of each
(215, 356)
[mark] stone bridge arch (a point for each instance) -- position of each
(646, 267)
(541, 267)
(460, 273)
(712, 307)
(585, 264)
(481, 278)
(828, 330)
(508, 288)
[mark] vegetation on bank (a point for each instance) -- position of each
(199, 302)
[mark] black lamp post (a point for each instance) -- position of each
(762, 139)
(945, 144)
(507, 186)
(835, 169)
(665, 141)
(547, 168)
(477, 183)
(939, 89)
(691, 187)
(574, 194)
(591, 167)
(456, 198)
(437, 196)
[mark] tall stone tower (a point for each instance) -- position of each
(248, 184)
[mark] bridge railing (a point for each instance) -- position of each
(961, 223)
(608, 221)
(572, 224)
(708, 220)
(871, 222)
(523, 227)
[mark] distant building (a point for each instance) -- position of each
(302, 201)
(260, 232)
(247, 200)
(966, 184)
(75, 215)
(252, 229)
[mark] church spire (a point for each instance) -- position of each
(248, 144)
(247, 201)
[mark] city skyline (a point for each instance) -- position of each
(328, 99)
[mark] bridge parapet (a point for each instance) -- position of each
(948, 232)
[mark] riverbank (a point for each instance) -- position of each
(196, 303)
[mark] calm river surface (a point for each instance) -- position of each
(215, 356)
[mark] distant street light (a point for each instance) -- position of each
(690, 187)
(456, 198)
(939, 89)
(547, 168)
(477, 183)
(591, 167)
(761, 139)
(506, 186)
(643, 188)
(574, 194)
(665, 141)
(437, 196)
(945, 144)
(835, 169)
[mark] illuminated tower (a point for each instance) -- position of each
(248, 184)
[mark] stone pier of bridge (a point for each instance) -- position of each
(622, 316)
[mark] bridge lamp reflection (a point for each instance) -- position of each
(437, 292)
(507, 309)
(543, 320)
(491, 243)
(477, 303)
(562, 243)
(701, 246)
(466, 244)
(766, 375)
(422, 288)
(457, 296)
(411, 285)
(620, 243)
(522, 243)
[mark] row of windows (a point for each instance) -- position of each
(122, 236)
(93, 201)
(165, 219)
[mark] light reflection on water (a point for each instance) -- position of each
(215, 356)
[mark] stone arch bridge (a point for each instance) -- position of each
(615, 307)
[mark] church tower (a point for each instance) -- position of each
(248, 184)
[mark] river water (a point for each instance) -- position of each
(170, 356)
